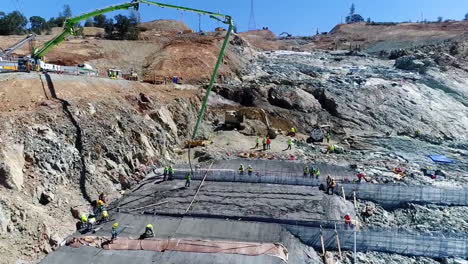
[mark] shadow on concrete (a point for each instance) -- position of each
(79, 136)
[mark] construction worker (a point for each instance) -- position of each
(115, 226)
(306, 170)
(170, 172)
(104, 216)
(360, 175)
(188, 178)
(91, 222)
(347, 221)
(241, 169)
(367, 212)
(257, 142)
(317, 173)
(330, 149)
(249, 170)
(165, 172)
(99, 207)
(328, 136)
(268, 143)
(331, 186)
(289, 143)
(264, 143)
(83, 222)
(148, 232)
(292, 131)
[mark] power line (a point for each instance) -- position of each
(252, 25)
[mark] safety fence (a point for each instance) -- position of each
(395, 195)
(389, 195)
(435, 245)
(336, 235)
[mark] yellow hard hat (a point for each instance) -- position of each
(149, 226)
(105, 214)
(115, 225)
(100, 202)
(84, 219)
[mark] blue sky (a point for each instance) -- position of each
(298, 17)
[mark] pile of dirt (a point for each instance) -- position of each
(164, 25)
(383, 36)
(263, 40)
(193, 58)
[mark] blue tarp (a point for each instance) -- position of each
(440, 159)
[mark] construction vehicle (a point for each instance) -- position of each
(318, 133)
(114, 73)
(285, 35)
(234, 119)
(132, 76)
(69, 28)
(6, 53)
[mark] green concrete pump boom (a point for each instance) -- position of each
(69, 29)
(69, 25)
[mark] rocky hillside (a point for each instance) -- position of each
(66, 142)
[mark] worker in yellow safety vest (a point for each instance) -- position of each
(241, 169)
(289, 144)
(249, 170)
(115, 227)
(148, 232)
(171, 172)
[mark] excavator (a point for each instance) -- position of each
(36, 59)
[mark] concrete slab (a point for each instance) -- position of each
(239, 199)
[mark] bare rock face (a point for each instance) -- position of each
(4, 218)
(11, 166)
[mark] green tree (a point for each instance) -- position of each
(67, 13)
(466, 16)
(89, 23)
(56, 22)
(100, 21)
(38, 24)
(13, 24)
(353, 17)
(439, 19)
(352, 10)
(126, 28)
(2, 13)
(109, 27)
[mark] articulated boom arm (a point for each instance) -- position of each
(217, 16)
(68, 28)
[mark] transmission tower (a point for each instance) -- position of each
(252, 25)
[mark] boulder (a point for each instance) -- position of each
(295, 98)
(411, 63)
(11, 166)
(164, 116)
